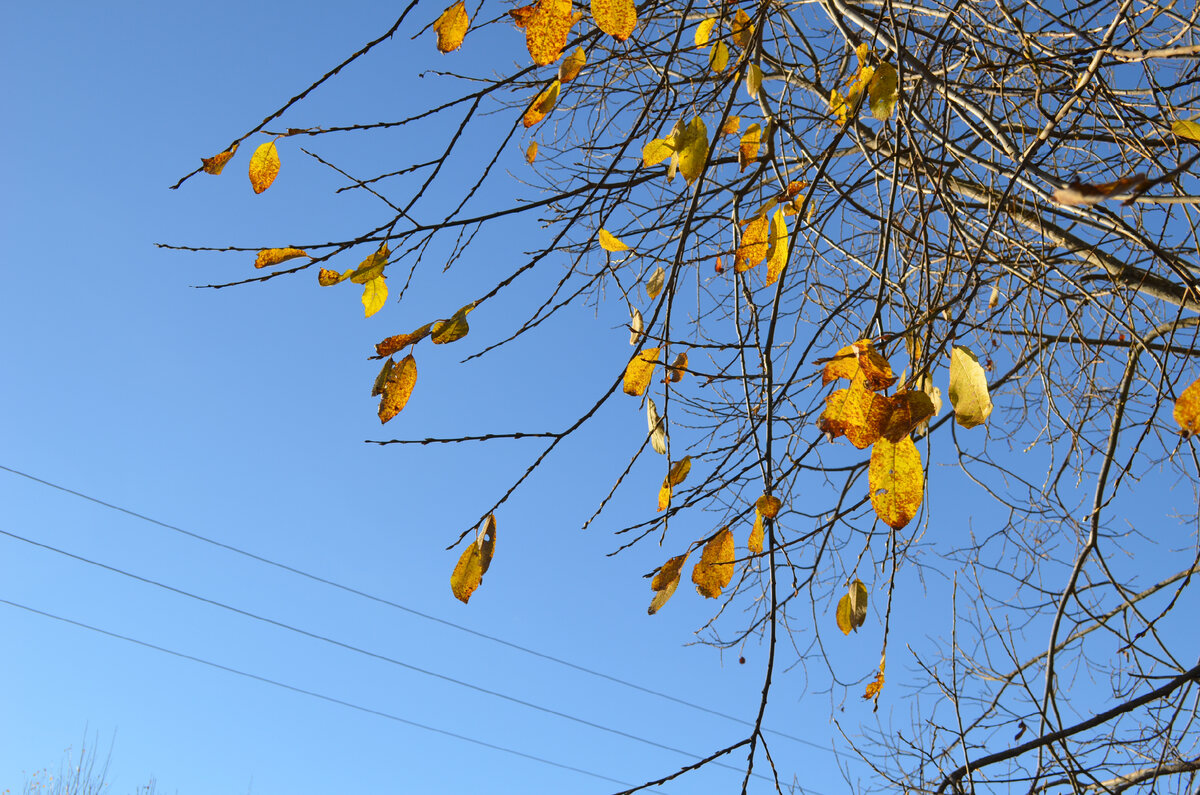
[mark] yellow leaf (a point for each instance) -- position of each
(742, 29)
(692, 148)
(754, 78)
(753, 246)
(636, 327)
(731, 126)
(664, 497)
(908, 411)
(1184, 129)
(399, 342)
(546, 30)
(656, 151)
(371, 267)
(520, 16)
(896, 480)
(715, 569)
(718, 57)
(639, 371)
(617, 18)
(451, 27)
(454, 329)
(842, 615)
(531, 152)
(374, 295)
(397, 388)
(1187, 409)
(768, 506)
(665, 582)
(658, 428)
(542, 104)
(704, 31)
(264, 166)
(572, 65)
(474, 562)
(678, 472)
(274, 256)
(328, 278)
(839, 107)
(777, 247)
(968, 388)
(860, 357)
(381, 380)
(215, 164)
(875, 687)
(755, 544)
(609, 242)
(677, 368)
(654, 285)
(748, 149)
(881, 91)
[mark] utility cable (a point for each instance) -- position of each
(330, 699)
(396, 605)
(368, 653)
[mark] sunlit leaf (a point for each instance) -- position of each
(692, 148)
(654, 285)
(542, 104)
(328, 278)
(718, 57)
(860, 357)
(748, 148)
(768, 506)
(664, 497)
(215, 164)
(754, 78)
(677, 368)
(731, 126)
(1084, 194)
(665, 582)
(399, 342)
(657, 426)
(374, 295)
(451, 27)
(397, 388)
(572, 65)
(617, 18)
(852, 608)
(610, 242)
(882, 91)
(381, 380)
(474, 562)
(908, 411)
(1184, 129)
(715, 569)
(520, 16)
(656, 151)
(742, 29)
(678, 472)
(753, 246)
(639, 371)
(531, 152)
(968, 388)
(273, 256)
(755, 544)
(547, 29)
(777, 247)
(264, 166)
(452, 330)
(636, 327)
(1187, 409)
(704, 31)
(371, 267)
(875, 686)
(897, 481)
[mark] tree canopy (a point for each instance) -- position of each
(866, 250)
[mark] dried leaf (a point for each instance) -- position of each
(753, 247)
(754, 78)
(677, 368)
(385, 373)
(704, 31)
(610, 242)
(882, 91)
(1079, 194)
(371, 267)
(860, 357)
(520, 16)
(715, 569)
(678, 472)
(216, 164)
(768, 506)
(777, 247)
(328, 278)
(547, 29)
(264, 166)
(617, 18)
(474, 562)
(654, 285)
(531, 152)
(742, 29)
(639, 371)
(731, 126)
(897, 481)
(572, 65)
(968, 388)
(273, 256)
(636, 327)
(755, 544)
(399, 342)
(718, 57)
(542, 104)
(374, 295)
(908, 411)
(748, 148)
(856, 412)
(451, 27)
(665, 582)
(1187, 409)
(658, 428)
(875, 687)
(452, 330)
(858, 603)
(397, 388)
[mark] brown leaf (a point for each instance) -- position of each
(908, 410)
(1078, 194)
(397, 388)
(547, 29)
(768, 506)
(215, 164)
(665, 582)
(474, 562)
(401, 341)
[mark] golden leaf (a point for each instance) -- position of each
(658, 428)
(452, 330)
(328, 278)
(374, 295)
(768, 506)
(665, 582)
(881, 91)
(678, 472)
(1187, 409)
(610, 242)
(692, 148)
(397, 388)
(399, 342)
(1084, 194)
(856, 412)
(274, 256)
(755, 544)
(908, 411)
(520, 16)
(731, 126)
(639, 371)
(215, 164)
(742, 29)
(385, 373)
(1184, 129)
(748, 148)
(542, 104)
(531, 152)
(264, 166)
(777, 247)
(860, 357)
(656, 282)
(372, 267)
(715, 569)
(704, 31)
(677, 368)
(664, 497)
(474, 562)
(875, 687)
(656, 151)
(896, 480)
(547, 29)
(617, 18)
(753, 246)
(718, 57)
(754, 78)
(572, 65)
(968, 388)
(842, 615)
(451, 27)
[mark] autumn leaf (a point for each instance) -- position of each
(451, 27)
(704, 31)
(572, 65)
(1081, 194)
(753, 246)
(677, 368)
(882, 91)
(542, 104)
(908, 411)
(656, 151)
(328, 278)
(216, 164)
(639, 371)
(860, 357)
(875, 686)
(385, 372)
(777, 247)
(665, 582)
(611, 243)
(520, 16)
(397, 388)
(636, 327)
(658, 428)
(1187, 409)
(273, 256)
(664, 497)
(374, 295)
(857, 413)
(264, 166)
(546, 30)
(676, 475)
(715, 569)
(1184, 129)
(754, 78)
(452, 330)
(531, 152)
(399, 342)
(897, 481)
(742, 29)
(718, 57)
(755, 544)
(748, 148)
(654, 285)
(852, 608)
(371, 267)
(731, 126)
(768, 506)
(692, 149)
(617, 18)
(968, 388)
(474, 562)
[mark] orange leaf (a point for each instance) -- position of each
(748, 148)
(639, 371)
(520, 16)
(731, 126)
(715, 569)
(542, 104)
(755, 544)
(274, 256)
(617, 18)
(768, 506)
(676, 369)
(1187, 409)
(213, 165)
(264, 166)
(451, 27)
(753, 247)
(546, 30)
(401, 341)
(398, 388)
(860, 357)
(909, 409)
(897, 481)
(531, 152)
(572, 65)
(328, 278)
(665, 582)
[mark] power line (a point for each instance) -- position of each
(366, 652)
(412, 611)
(314, 694)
